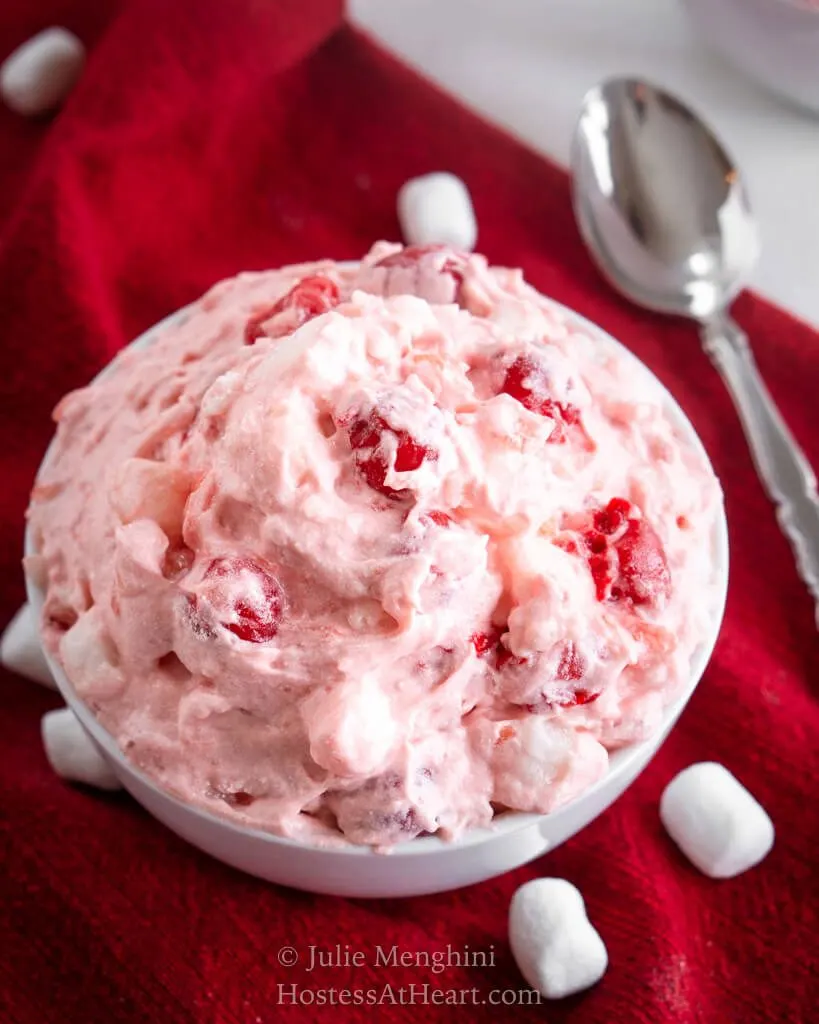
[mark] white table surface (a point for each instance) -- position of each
(526, 65)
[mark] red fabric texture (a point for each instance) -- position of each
(208, 137)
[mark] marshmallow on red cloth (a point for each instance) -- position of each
(436, 209)
(207, 137)
(715, 821)
(72, 753)
(554, 944)
(41, 73)
(21, 652)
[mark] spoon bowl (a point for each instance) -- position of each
(659, 202)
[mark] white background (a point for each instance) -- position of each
(526, 64)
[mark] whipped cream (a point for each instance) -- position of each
(367, 551)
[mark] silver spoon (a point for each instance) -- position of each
(665, 215)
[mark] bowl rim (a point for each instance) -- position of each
(506, 823)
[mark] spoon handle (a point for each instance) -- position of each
(781, 464)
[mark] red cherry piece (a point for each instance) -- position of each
(366, 436)
(246, 597)
(439, 518)
(485, 642)
(626, 557)
(609, 519)
(410, 454)
(644, 576)
(576, 699)
(572, 668)
(238, 799)
(601, 562)
(177, 561)
(602, 576)
(505, 657)
(582, 697)
(311, 297)
(527, 382)
(572, 665)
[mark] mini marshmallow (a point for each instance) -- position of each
(20, 649)
(715, 821)
(553, 942)
(72, 753)
(39, 75)
(436, 209)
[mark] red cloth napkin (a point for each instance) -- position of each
(208, 137)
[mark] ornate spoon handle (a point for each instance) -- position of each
(781, 464)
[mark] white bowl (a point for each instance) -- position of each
(428, 864)
(773, 41)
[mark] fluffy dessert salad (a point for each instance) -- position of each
(366, 551)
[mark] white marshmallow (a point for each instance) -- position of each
(38, 75)
(72, 753)
(715, 821)
(553, 942)
(20, 649)
(436, 209)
